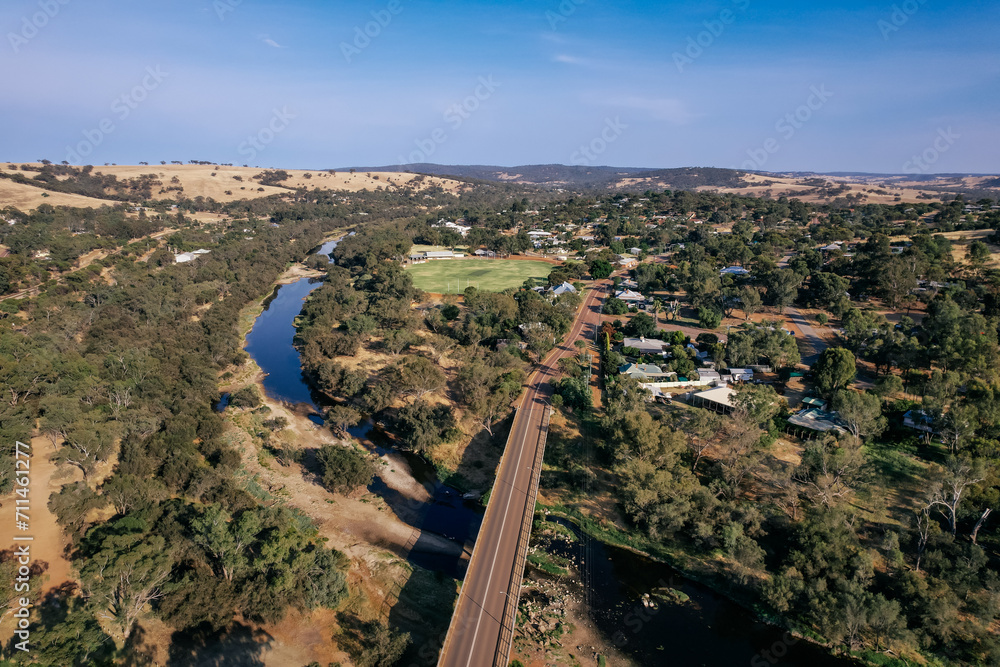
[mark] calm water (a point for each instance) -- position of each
(269, 343)
(707, 630)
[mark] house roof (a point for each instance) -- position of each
(815, 419)
(563, 289)
(644, 369)
(719, 395)
(645, 345)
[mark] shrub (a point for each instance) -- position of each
(343, 470)
(247, 397)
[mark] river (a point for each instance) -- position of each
(270, 345)
(708, 630)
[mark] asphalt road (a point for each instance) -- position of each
(814, 344)
(495, 570)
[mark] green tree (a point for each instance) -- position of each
(750, 301)
(343, 469)
(342, 417)
(834, 370)
(422, 426)
(641, 325)
(783, 288)
(895, 280)
(600, 269)
(709, 317)
(979, 254)
(615, 306)
(125, 572)
(861, 411)
(417, 376)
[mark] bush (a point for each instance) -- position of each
(247, 397)
(709, 318)
(421, 426)
(615, 306)
(343, 470)
(575, 392)
(707, 339)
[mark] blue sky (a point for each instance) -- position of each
(836, 86)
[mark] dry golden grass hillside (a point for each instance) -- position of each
(221, 183)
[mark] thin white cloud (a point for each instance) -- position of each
(270, 42)
(571, 60)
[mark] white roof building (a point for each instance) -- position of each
(183, 257)
(645, 345)
(629, 295)
(718, 399)
(565, 288)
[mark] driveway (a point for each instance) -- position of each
(811, 344)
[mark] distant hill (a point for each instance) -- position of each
(578, 177)
(842, 187)
(27, 186)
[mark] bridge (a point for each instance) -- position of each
(482, 626)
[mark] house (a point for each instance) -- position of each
(740, 374)
(565, 288)
(738, 271)
(718, 399)
(709, 377)
(627, 261)
(644, 345)
(629, 296)
(809, 422)
(635, 251)
(813, 402)
(183, 257)
(538, 234)
(643, 372)
(918, 420)
(447, 224)
(424, 255)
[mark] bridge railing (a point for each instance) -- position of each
(507, 621)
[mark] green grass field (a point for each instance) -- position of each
(491, 275)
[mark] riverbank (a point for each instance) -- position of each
(590, 505)
(646, 610)
(378, 528)
(685, 567)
